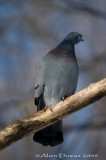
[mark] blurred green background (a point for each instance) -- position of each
(28, 30)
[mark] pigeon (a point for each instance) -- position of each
(57, 76)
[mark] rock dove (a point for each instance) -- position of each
(57, 76)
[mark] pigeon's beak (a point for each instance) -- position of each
(80, 39)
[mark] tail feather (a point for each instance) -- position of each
(51, 135)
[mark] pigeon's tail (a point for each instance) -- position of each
(51, 135)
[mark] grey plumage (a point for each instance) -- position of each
(57, 76)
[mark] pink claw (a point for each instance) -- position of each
(48, 106)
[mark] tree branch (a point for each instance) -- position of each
(42, 119)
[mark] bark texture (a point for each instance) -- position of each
(42, 119)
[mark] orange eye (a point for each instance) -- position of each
(73, 34)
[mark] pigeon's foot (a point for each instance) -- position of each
(63, 98)
(48, 106)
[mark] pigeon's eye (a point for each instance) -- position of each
(73, 34)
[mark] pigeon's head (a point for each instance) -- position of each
(73, 37)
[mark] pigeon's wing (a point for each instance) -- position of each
(39, 85)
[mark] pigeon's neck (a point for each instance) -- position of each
(66, 45)
(65, 48)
